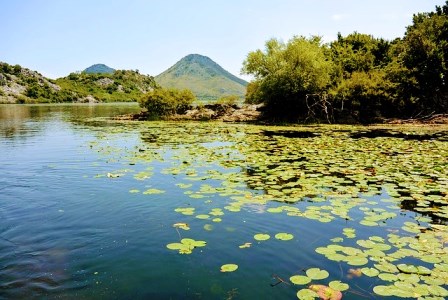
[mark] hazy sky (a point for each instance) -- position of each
(56, 37)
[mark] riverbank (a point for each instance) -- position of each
(218, 112)
(253, 113)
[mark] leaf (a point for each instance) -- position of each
(307, 294)
(202, 217)
(229, 268)
(262, 237)
(183, 226)
(317, 274)
(284, 236)
(338, 285)
(245, 245)
(371, 272)
(153, 192)
(325, 292)
(300, 279)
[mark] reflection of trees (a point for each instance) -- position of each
(293, 166)
(24, 121)
(14, 121)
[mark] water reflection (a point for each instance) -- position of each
(24, 121)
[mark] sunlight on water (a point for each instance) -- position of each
(89, 206)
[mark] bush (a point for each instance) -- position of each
(164, 102)
(229, 100)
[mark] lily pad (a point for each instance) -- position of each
(183, 226)
(284, 236)
(325, 292)
(300, 279)
(371, 272)
(153, 192)
(229, 268)
(307, 294)
(317, 274)
(262, 237)
(338, 285)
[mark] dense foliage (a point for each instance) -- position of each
(21, 85)
(357, 77)
(120, 86)
(163, 102)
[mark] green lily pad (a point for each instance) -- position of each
(385, 290)
(306, 294)
(202, 217)
(262, 237)
(153, 192)
(300, 279)
(284, 236)
(229, 268)
(371, 272)
(317, 274)
(338, 285)
(357, 260)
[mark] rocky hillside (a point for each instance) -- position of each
(204, 77)
(120, 86)
(21, 85)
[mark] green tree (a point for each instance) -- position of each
(425, 55)
(286, 73)
(164, 102)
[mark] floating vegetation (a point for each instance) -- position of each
(183, 226)
(229, 268)
(186, 245)
(382, 193)
(284, 236)
(262, 237)
(153, 192)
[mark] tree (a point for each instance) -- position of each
(425, 55)
(163, 102)
(286, 73)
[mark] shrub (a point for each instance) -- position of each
(163, 102)
(228, 100)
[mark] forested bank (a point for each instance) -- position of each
(356, 78)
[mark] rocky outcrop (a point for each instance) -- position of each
(219, 112)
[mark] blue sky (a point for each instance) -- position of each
(56, 37)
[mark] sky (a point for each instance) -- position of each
(57, 37)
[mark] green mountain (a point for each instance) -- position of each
(204, 77)
(119, 86)
(99, 69)
(21, 85)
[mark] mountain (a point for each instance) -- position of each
(22, 85)
(204, 77)
(119, 86)
(99, 69)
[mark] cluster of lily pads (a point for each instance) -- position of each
(328, 176)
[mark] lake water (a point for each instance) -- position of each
(93, 208)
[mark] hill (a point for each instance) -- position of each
(99, 69)
(120, 86)
(22, 85)
(204, 77)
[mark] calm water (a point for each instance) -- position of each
(88, 204)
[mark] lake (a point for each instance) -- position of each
(94, 208)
